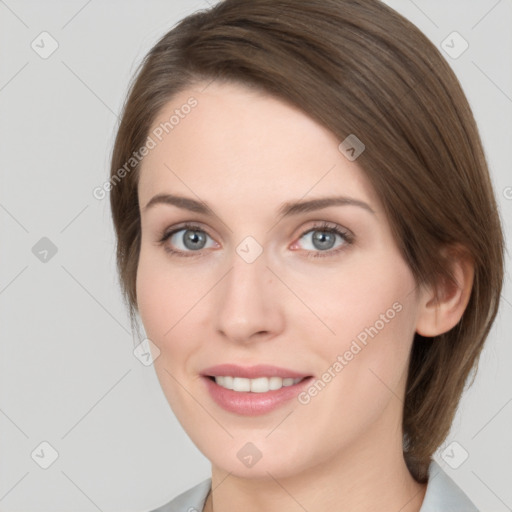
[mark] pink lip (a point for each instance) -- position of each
(249, 403)
(251, 372)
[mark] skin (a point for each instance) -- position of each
(245, 153)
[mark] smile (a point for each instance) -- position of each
(253, 397)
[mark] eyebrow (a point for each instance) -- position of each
(286, 209)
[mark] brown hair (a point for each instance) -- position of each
(357, 67)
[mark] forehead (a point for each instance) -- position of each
(234, 142)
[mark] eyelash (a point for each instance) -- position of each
(324, 226)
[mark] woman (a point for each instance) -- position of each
(307, 229)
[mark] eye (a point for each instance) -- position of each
(322, 239)
(188, 238)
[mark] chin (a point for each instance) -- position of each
(254, 457)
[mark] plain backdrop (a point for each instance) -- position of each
(68, 375)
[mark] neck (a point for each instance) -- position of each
(363, 478)
(399, 494)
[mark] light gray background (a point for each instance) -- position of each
(68, 375)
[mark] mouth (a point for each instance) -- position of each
(253, 390)
(253, 397)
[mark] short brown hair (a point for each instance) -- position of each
(356, 67)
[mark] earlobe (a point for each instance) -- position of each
(442, 306)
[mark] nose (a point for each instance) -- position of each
(248, 306)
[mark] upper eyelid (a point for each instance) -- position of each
(173, 230)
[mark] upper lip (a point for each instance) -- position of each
(251, 372)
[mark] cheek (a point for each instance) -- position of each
(151, 300)
(168, 299)
(157, 306)
(365, 362)
(372, 314)
(160, 298)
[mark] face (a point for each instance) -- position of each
(319, 291)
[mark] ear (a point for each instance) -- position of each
(443, 304)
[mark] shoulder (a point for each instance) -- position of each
(443, 494)
(192, 500)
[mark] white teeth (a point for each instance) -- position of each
(258, 385)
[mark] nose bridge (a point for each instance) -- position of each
(247, 302)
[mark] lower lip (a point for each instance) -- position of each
(253, 404)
